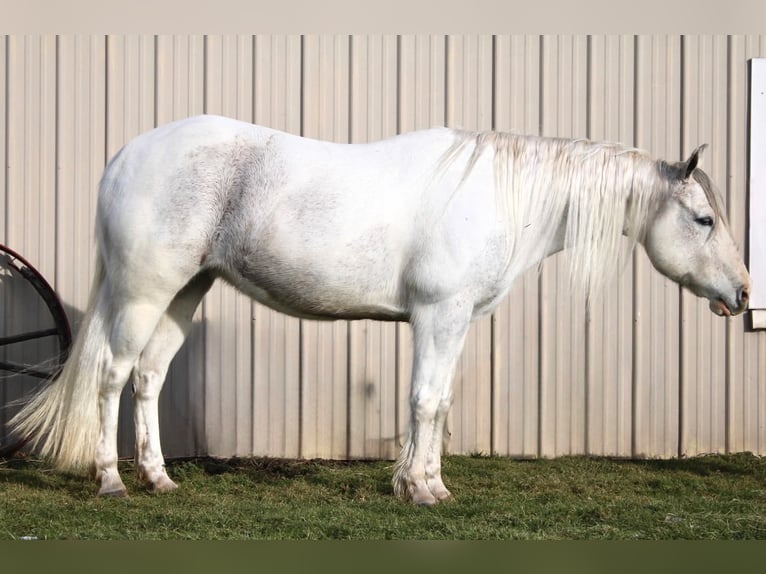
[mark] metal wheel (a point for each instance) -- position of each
(35, 337)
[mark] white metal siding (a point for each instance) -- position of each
(647, 371)
(757, 152)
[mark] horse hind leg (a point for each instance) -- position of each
(149, 376)
(133, 325)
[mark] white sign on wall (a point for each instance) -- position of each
(757, 263)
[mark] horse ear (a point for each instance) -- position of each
(691, 163)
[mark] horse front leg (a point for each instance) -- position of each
(439, 333)
(433, 461)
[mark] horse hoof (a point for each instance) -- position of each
(444, 496)
(118, 493)
(423, 499)
(162, 485)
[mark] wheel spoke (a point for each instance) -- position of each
(30, 336)
(30, 370)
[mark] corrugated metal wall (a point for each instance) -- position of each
(648, 371)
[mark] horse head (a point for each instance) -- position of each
(688, 239)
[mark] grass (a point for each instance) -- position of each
(711, 497)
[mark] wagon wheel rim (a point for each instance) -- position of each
(61, 330)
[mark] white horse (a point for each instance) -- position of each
(429, 227)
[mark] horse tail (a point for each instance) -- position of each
(62, 421)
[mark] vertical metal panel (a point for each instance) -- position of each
(324, 377)
(646, 371)
(469, 106)
(129, 112)
(422, 104)
(4, 40)
(81, 117)
(423, 82)
(610, 318)
(564, 114)
(30, 187)
(516, 405)
(734, 188)
(6, 300)
(755, 367)
(180, 77)
(747, 415)
(31, 148)
(130, 89)
(180, 93)
(703, 373)
(372, 344)
(757, 185)
(276, 352)
(656, 301)
(228, 391)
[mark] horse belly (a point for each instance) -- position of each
(321, 276)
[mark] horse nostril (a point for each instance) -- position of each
(744, 297)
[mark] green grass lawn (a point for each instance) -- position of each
(712, 497)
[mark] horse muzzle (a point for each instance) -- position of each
(724, 308)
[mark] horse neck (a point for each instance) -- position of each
(629, 193)
(553, 194)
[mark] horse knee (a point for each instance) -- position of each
(424, 407)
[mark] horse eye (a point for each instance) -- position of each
(706, 221)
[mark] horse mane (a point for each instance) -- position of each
(605, 191)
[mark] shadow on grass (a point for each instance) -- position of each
(354, 473)
(359, 476)
(22, 471)
(343, 476)
(742, 464)
(257, 469)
